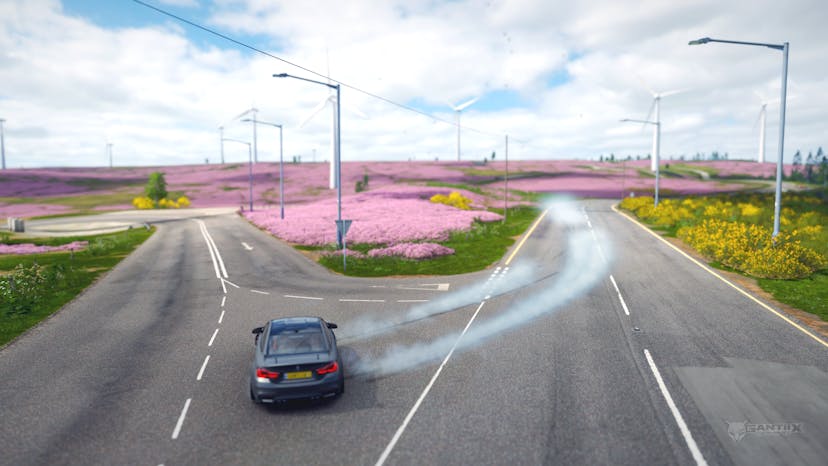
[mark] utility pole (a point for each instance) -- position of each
(506, 194)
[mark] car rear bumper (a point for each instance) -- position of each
(274, 392)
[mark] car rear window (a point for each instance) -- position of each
(296, 340)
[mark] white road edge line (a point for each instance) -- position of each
(384, 456)
(203, 366)
(213, 338)
(259, 292)
(711, 272)
(180, 422)
(620, 298)
(221, 316)
(303, 297)
(685, 432)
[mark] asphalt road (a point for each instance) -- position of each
(149, 366)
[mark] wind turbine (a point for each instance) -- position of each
(459, 109)
(762, 120)
(656, 105)
(254, 111)
(330, 99)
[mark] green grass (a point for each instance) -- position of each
(467, 187)
(809, 294)
(475, 250)
(79, 270)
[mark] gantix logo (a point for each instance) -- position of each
(738, 430)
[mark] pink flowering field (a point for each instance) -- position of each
(390, 215)
(394, 212)
(30, 248)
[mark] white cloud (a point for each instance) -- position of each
(70, 85)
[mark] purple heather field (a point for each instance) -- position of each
(393, 210)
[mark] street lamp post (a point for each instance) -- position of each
(109, 151)
(281, 164)
(2, 143)
(657, 154)
(249, 168)
(340, 228)
(777, 205)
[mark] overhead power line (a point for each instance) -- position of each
(268, 54)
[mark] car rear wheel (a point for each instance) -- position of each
(253, 397)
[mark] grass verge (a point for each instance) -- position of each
(66, 275)
(474, 250)
(809, 294)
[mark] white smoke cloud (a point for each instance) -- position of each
(586, 264)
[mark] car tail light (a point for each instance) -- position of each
(263, 373)
(329, 369)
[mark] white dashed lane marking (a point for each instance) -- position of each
(303, 297)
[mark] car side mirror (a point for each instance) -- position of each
(332, 325)
(258, 330)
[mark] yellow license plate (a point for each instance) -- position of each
(298, 375)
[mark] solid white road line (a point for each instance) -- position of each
(180, 422)
(259, 292)
(213, 338)
(419, 401)
(247, 246)
(214, 252)
(685, 432)
(412, 300)
(346, 300)
(230, 283)
(620, 298)
(303, 297)
(203, 366)
(221, 316)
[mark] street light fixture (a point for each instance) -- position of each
(340, 226)
(657, 150)
(777, 206)
(281, 163)
(249, 168)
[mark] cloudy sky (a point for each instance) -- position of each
(554, 75)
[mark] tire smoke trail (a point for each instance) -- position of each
(583, 268)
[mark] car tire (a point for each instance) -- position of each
(253, 397)
(341, 390)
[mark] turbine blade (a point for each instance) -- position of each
(758, 116)
(315, 111)
(649, 114)
(644, 84)
(673, 92)
(243, 113)
(468, 103)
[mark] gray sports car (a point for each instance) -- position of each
(295, 358)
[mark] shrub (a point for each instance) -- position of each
(156, 188)
(454, 199)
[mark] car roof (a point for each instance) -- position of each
(296, 321)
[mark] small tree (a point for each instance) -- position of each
(156, 188)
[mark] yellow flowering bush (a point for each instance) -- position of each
(735, 231)
(143, 203)
(147, 203)
(454, 199)
(750, 249)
